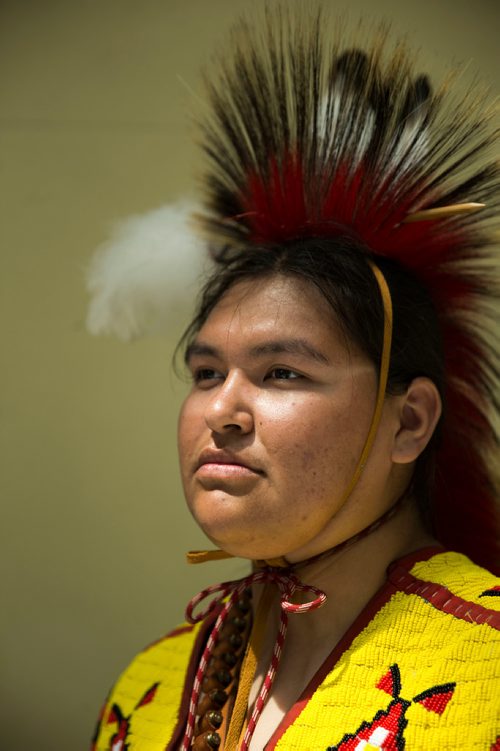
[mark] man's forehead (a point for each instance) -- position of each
(270, 301)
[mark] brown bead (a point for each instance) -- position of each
(230, 643)
(222, 646)
(206, 741)
(214, 699)
(220, 663)
(228, 630)
(210, 721)
(209, 682)
(224, 677)
(239, 623)
(235, 625)
(216, 663)
(230, 659)
(235, 640)
(217, 679)
(218, 697)
(244, 605)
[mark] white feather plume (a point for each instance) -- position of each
(144, 279)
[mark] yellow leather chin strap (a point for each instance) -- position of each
(201, 556)
(382, 381)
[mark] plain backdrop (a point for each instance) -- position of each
(94, 126)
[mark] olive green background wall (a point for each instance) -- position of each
(94, 97)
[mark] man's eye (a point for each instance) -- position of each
(205, 374)
(284, 374)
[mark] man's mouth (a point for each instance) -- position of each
(216, 465)
(223, 460)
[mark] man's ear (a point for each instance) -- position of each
(420, 410)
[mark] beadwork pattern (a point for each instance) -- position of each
(432, 649)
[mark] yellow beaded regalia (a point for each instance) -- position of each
(426, 648)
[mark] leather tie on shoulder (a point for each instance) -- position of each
(226, 595)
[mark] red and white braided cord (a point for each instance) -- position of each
(287, 584)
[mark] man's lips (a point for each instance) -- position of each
(217, 462)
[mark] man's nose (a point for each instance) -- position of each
(230, 409)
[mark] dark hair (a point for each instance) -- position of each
(340, 271)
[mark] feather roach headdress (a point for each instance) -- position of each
(309, 138)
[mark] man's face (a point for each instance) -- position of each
(272, 430)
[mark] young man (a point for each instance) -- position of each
(339, 424)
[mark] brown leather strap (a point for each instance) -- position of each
(248, 668)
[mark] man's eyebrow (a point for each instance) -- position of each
(274, 347)
(291, 347)
(201, 349)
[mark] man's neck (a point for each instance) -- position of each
(349, 578)
(353, 575)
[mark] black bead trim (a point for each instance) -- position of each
(214, 718)
(213, 740)
(235, 641)
(230, 659)
(218, 697)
